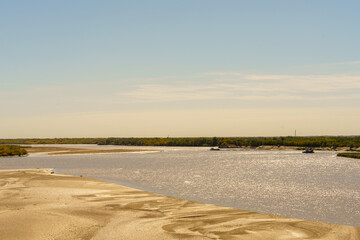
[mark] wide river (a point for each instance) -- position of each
(317, 186)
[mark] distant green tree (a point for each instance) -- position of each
(214, 141)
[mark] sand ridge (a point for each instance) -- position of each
(35, 204)
(71, 151)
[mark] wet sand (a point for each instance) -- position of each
(35, 204)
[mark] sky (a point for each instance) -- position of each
(164, 68)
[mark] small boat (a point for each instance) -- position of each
(214, 149)
(310, 150)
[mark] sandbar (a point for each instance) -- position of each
(36, 204)
(70, 151)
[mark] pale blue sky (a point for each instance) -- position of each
(179, 68)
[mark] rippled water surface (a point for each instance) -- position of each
(316, 186)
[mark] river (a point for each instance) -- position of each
(317, 186)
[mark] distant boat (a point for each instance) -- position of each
(214, 149)
(310, 150)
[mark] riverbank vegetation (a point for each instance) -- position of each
(352, 142)
(349, 155)
(11, 150)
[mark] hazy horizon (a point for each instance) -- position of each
(179, 69)
(175, 137)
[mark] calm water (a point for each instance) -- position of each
(316, 186)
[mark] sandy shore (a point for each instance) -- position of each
(35, 204)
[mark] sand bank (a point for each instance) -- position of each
(35, 204)
(69, 151)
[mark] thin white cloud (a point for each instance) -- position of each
(252, 99)
(346, 63)
(238, 86)
(159, 93)
(251, 89)
(270, 98)
(224, 74)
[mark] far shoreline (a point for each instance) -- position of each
(261, 147)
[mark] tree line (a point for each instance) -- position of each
(315, 141)
(11, 150)
(352, 142)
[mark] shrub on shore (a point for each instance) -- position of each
(11, 150)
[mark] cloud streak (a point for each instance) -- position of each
(316, 103)
(211, 91)
(346, 63)
(238, 86)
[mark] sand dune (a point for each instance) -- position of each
(35, 204)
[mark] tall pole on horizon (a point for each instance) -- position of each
(295, 132)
